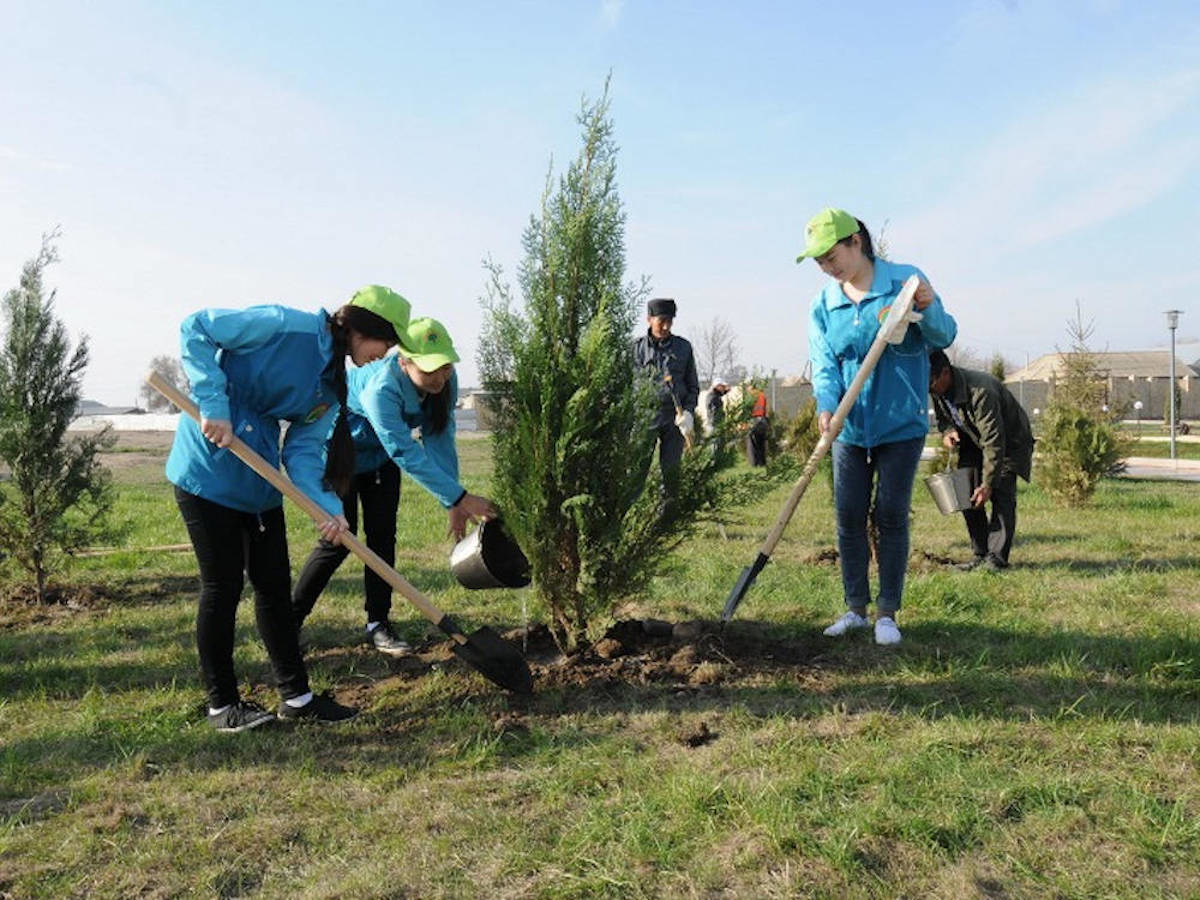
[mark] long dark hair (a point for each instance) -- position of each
(436, 408)
(868, 248)
(339, 462)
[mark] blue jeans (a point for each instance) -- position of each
(891, 468)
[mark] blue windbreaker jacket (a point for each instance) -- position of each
(255, 367)
(383, 407)
(893, 403)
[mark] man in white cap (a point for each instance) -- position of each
(716, 403)
(673, 365)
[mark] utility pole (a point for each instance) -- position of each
(1172, 323)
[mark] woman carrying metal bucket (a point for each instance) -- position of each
(879, 447)
(249, 369)
(417, 388)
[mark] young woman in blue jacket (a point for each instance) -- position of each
(417, 388)
(880, 444)
(248, 370)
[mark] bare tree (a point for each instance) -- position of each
(716, 349)
(171, 371)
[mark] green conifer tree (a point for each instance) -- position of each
(59, 496)
(572, 440)
(1078, 442)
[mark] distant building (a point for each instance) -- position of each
(1129, 376)
(92, 408)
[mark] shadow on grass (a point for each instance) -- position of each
(420, 714)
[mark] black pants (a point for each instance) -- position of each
(670, 446)
(756, 441)
(991, 537)
(379, 493)
(230, 545)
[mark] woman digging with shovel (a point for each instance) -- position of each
(248, 370)
(884, 432)
(386, 400)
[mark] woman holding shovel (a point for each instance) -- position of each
(387, 400)
(880, 444)
(248, 370)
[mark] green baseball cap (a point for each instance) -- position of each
(386, 304)
(427, 344)
(824, 230)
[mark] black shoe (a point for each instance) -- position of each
(994, 565)
(321, 708)
(241, 716)
(975, 563)
(385, 641)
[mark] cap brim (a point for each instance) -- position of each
(430, 362)
(813, 251)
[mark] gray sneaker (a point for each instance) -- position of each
(241, 716)
(385, 641)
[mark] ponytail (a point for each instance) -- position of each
(339, 461)
(436, 408)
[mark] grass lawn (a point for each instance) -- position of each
(1036, 734)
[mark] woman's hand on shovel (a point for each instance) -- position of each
(470, 508)
(219, 431)
(331, 530)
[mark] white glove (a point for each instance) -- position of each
(685, 423)
(900, 328)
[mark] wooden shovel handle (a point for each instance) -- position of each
(896, 318)
(284, 485)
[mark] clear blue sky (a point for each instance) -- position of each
(1023, 154)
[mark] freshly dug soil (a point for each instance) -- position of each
(690, 655)
(652, 651)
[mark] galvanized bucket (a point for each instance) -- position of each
(952, 489)
(489, 558)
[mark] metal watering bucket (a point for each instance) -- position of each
(489, 558)
(952, 489)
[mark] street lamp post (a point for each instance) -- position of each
(1172, 323)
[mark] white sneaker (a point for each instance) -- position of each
(886, 631)
(849, 622)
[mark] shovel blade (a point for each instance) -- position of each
(496, 660)
(743, 585)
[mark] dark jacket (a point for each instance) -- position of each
(716, 409)
(992, 420)
(672, 357)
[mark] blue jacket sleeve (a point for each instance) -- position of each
(937, 326)
(828, 386)
(383, 405)
(203, 334)
(304, 452)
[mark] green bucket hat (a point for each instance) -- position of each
(427, 344)
(386, 304)
(824, 230)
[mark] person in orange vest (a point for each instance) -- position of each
(760, 426)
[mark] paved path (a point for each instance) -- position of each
(1141, 467)
(1164, 469)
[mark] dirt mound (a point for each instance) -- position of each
(19, 604)
(652, 651)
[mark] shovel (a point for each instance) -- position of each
(484, 650)
(892, 331)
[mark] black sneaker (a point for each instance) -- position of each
(321, 708)
(241, 716)
(385, 641)
(994, 565)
